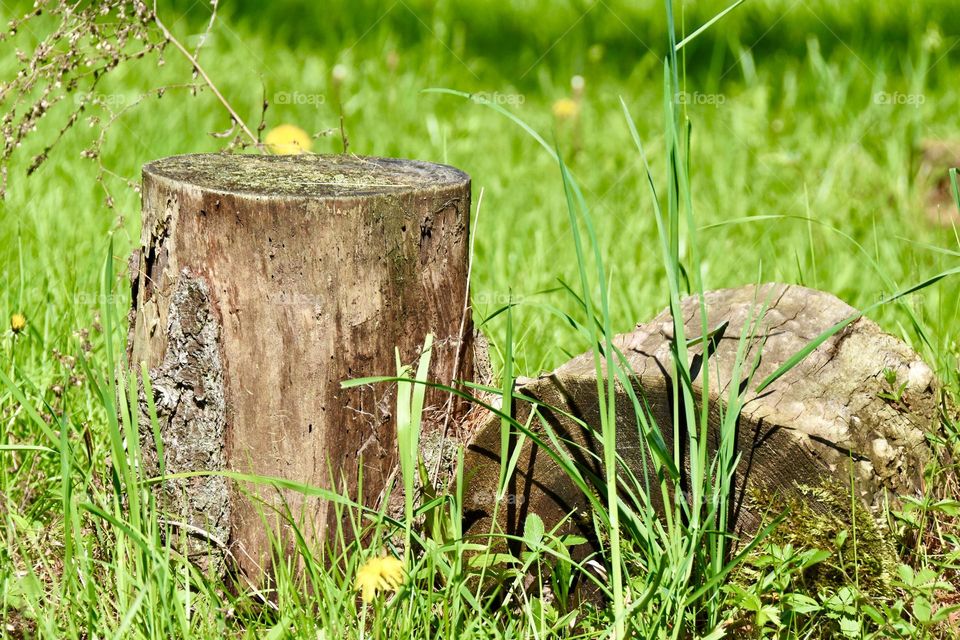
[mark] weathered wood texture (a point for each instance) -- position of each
(825, 420)
(262, 283)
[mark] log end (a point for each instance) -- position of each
(310, 176)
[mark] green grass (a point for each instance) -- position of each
(797, 172)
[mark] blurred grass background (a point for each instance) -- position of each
(785, 116)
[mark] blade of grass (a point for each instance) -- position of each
(709, 23)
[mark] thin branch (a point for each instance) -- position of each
(203, 74)
(206, 32)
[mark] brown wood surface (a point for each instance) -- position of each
(262, 283)
(828, 420)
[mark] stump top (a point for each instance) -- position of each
(309, 176)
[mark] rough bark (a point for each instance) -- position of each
(263, 282)
(823, 423)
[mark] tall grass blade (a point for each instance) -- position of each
(709, 23)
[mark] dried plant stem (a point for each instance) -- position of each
(206, 32)
(203, 74)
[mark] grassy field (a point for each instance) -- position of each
(807, 121)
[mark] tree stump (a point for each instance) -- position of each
(859, 407)
(262, 283)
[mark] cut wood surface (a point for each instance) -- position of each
(833, 417)
(262, 283)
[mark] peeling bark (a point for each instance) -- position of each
(188, 392)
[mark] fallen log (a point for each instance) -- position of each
(857, 408)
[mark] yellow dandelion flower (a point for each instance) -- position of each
(288, 139)
(565, 109)
(18, 322)
(378, 574)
